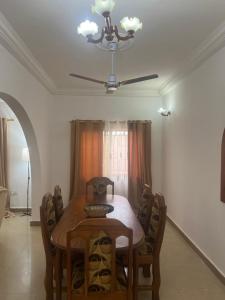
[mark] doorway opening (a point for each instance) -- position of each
(18, 163)
(26, 124)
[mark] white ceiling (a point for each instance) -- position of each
(172, 30)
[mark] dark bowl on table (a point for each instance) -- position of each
(98, 210)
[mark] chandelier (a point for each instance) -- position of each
(109, 39)
(109, 32)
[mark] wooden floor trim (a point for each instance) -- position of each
(35, 223)
(19, 209)
(205, 259)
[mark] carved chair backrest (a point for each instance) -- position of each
(48, 222)
(99, 185)
(58, 202)
(144, 212)
(98, 237)
(157, 224)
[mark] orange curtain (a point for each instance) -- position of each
(4, 157)
(139, 159)
(86, 154)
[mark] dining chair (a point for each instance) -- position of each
(144, 214)
(148, 253)
(100, 274)
(99, 185)
(145, 207)
(58, 202)
(48, 222)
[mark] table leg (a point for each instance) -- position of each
(58, 274)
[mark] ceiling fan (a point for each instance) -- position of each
(112, 84)
(113, 38)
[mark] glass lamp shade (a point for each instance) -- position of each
(161, 110)
(87, 28)
(103, 6)
(164, 112)
(131, 24)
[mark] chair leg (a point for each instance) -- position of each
(156, 280)
(135, 280)
(155, 294)
(58, 275)
(49, 282)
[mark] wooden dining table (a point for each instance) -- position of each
(74, 213)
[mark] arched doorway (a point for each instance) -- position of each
(29, 133)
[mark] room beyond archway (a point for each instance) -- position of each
(30, 137)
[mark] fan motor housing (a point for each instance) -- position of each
(112, 79)
(112, 82)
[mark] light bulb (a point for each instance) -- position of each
(131, 24)
(87, 28)
(103, 6)
(164, 112)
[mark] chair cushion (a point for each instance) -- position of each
(147, 193)
(144, 214)
(100, 188)
(100, 263)
(49, 212)
(78, 276)
(145, 248)
(154, 223)
(58, 206)
(99, 267)
(150, 237)
(58, 202)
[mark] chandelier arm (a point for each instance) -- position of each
(108, 22)
(123, 38)
(97, 41)
(109, 28)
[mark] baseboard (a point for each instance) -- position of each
(202, 255)
(35, 223)
(19, 209)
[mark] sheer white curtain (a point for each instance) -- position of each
(115, 155)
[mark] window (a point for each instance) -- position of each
(115, 155)
(111, 149)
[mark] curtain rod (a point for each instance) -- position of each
(114, 121)
(87, 120)
(140, 121)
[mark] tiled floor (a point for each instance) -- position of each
(22, 262)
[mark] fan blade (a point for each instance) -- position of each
(139, 79)
(88, 78)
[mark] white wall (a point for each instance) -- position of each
(18, 171)
(17, 168)
(192, 151)
(30, 101)
(36, 109)
(67, 108)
